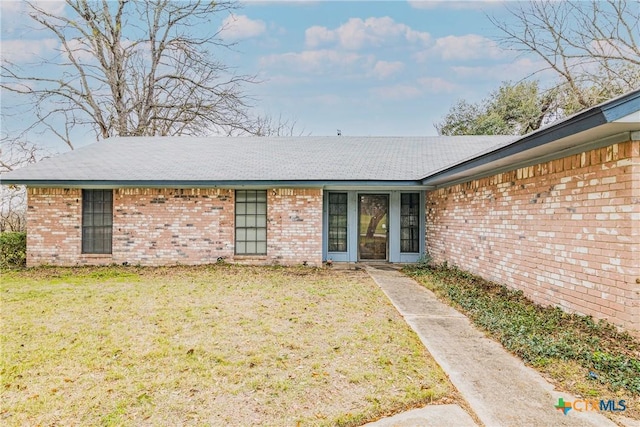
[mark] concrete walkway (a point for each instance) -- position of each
(500, 389)
(429, 416)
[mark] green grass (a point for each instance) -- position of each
(584, 356)
(206, 345)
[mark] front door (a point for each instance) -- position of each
(373, 226)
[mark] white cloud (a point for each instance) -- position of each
(384, 69)
(467, 47)
(8, 7)
(317, 35)
(417, 89)
(83, 52)
(238, 27)
(21, 51)
(423, 4)
(357, 33)
(327, 61)
(448, 4)
(14, 13)
(470, 46)
(317, 61)
(54, 7)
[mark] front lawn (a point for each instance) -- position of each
(589, 358)
(216, 345)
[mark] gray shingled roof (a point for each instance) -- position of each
(209, 160)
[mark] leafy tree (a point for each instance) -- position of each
(133, 68)
(513, 109)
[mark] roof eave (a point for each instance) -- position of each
(590, 119)
(40, 183)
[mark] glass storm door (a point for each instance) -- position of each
(373, 226)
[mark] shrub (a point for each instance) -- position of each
(13, 249)
(424, 261)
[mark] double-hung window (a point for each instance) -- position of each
(251, 222)
(97, 221)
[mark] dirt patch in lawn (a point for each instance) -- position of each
(207, 345)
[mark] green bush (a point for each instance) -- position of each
(424, 261)
(13, 249)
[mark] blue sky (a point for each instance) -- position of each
(364, 67)
(372, 68)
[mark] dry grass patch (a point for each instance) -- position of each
(206, 345)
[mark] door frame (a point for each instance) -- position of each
(386, 234)
(393, 238)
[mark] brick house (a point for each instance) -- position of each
(554, 213)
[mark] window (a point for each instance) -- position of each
(251, 222)
(409, 222)
(337, 222)
(97, 221)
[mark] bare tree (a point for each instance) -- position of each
(592, 46)
(134, 68)
(15, 153)
(268, 125)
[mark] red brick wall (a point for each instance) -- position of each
(170, 226)
(565, 232)
(54, 234)
(294, 230)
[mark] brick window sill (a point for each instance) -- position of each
(250, 257)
